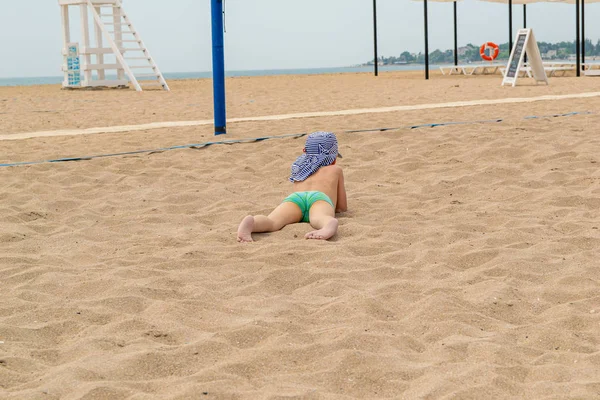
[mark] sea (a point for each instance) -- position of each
(53, 80)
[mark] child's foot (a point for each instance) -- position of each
(324, 233)
(244, 233)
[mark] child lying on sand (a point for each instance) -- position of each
(319, 193)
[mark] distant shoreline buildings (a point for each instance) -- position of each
(470, 53)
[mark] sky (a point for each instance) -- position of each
(280, 34)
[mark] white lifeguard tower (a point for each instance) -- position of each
(125, 51)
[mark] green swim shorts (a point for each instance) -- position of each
(305, 200)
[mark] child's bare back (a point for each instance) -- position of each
(328, 180)
(319, 192)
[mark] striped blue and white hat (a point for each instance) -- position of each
(321, 150)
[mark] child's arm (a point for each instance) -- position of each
(342, 201)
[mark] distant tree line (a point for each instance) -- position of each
(470, 53)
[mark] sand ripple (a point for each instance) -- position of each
(466, 267)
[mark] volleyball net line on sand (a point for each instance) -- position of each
(312, 114)
(287, 136)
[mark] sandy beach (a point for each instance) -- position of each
(465, 268)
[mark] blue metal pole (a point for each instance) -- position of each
(218, 62)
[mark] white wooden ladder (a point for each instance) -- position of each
(128, 47)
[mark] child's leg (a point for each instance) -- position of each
(286, 213)
(322, 218)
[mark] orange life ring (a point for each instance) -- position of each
(493, 55)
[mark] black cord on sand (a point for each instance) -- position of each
(288, 136)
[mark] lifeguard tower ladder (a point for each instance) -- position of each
(113, 27)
